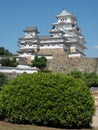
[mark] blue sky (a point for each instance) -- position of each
(16, 15)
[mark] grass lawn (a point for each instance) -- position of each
(10, 126)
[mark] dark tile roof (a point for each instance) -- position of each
(29, 29)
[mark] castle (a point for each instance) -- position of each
(64, 38)
(63, 47)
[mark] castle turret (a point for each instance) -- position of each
(67, 23)
(31, 32)
(28, 44)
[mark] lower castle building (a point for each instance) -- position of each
(64, 38)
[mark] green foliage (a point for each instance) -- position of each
(5, 52)
(47, 99)
(3, 80)
(91, 78)
(39, 62)
(75, 74)
(9, 62)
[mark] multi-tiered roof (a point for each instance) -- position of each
(67, 23)
(65, 34)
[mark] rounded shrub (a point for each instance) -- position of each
(3, 80)
(47, 99)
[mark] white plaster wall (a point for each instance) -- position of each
(66, 19)
(24, 55)
(47, 57)
(17, 70)
(51, 46)
(51, 41)
(75, 55)
(77, 47)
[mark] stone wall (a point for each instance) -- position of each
(52, 51)
(60, 63)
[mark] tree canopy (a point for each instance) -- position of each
(5, 52)
(9, 62)
(39, 62)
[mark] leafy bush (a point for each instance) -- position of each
(3, 80)
(75, 74)
(91, 78)
(47, 99)
(9, 62)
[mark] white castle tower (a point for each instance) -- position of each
(65, 37)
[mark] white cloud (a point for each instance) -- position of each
(96, 47)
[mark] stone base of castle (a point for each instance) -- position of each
(51, 52)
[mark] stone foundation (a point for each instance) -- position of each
(51, 51)
(60, 63)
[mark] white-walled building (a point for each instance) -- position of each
(64, 38)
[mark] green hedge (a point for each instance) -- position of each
(47, 99)
(91, 78)
(3, 80)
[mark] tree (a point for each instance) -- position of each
(9, 62)
(47, 99)
(8, 53)
(5, 52)
(1, 50)
(39, 62)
